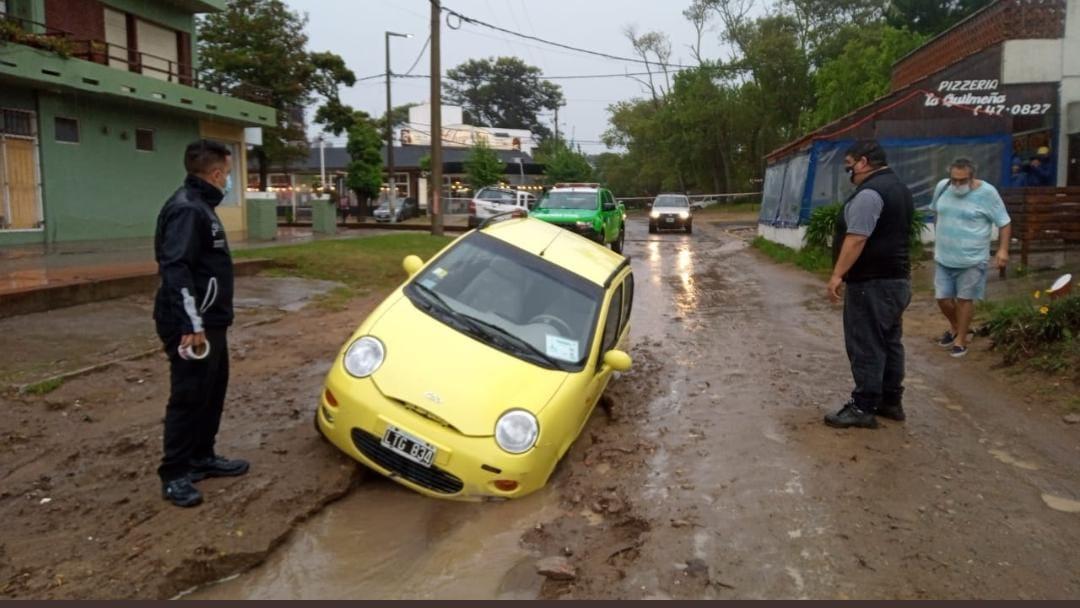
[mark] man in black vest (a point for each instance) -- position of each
(870, 252)
(193, 311)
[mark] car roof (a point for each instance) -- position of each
(559, 246)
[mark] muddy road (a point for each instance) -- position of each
(707, 473)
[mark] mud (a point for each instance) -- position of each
(705, 474)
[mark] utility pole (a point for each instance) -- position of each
(391, 195)
(436, 120)
(322, 162)
(556, 127)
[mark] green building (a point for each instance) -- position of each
(98, 99)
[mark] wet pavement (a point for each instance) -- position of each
(735, 486)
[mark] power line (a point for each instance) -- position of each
(471, 20)
(541, 77)
(419, 57)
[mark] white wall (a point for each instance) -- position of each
(1027, 61)
(789, 237)
(1070, 85)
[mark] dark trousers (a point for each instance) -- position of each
(873, 328)
(196, 398)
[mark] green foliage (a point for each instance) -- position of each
(822, 227)
(930, 17)
(563, 164)
(45, 387)
(1037, 329)
(483, 167)
(813, 259)
(502, 92)
(11, 31)
(860, 73)
(263, 43)
(399, 117)
(366, 158)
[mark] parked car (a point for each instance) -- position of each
(671, 212)
(475, 377)
(493, 201)
(401, 211)
(586, 209)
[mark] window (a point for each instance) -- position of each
(611, 325)
(144, 140)
(628, 302)
(159, 51)
(67, 130)
(116, 37)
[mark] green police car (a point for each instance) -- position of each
(586, 209)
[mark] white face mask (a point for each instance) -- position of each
(961, 190)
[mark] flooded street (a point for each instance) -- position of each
(728, 484)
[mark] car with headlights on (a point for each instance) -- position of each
(671, 212)
(474, 377)
(586, 209)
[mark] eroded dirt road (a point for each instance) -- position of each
(707, 475)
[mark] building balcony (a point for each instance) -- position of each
(37, 55)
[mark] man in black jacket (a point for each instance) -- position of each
(193, 311)
(871, 257)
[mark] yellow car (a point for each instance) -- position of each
(473, 378)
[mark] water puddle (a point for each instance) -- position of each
(385, 542)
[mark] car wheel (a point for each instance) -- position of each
(652, 229)
(619, 243)
(689, 229)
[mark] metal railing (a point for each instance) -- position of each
(132, 60)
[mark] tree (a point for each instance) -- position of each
(504, 92)
(860, 74)
(366, 158)
(330, 75)
(483, 166)
(566, 165)
(930, 17)
(399, 117)
(263, 43)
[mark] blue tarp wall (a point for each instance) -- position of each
(813, 178)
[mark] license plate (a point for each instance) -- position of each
(407, 446)
(670, 220)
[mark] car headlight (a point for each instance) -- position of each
(655, 215)
(364, 357)
(684, 214)
(584, 225)
(516, 431)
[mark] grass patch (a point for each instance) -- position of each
(813, 259)
(362, 265)
(45, 387)
(1043, 335)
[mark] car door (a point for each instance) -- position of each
(611, 216)
(610, 337)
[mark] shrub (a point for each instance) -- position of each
(1023, 330)
(822, 227)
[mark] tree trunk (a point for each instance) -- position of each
(264, 171)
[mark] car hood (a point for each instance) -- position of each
(674, 210)
(565, 215)
(453, 377)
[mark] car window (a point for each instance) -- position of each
(550, 308)
(569, 200)
(672, 201)
(496, 196)
(611, 324)
(627, 302)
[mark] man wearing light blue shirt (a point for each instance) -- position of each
(967, 211)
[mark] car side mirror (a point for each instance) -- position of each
(618, 360)
(412, 264)
(609, 207)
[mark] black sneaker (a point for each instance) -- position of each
(946, 340)
(181, 493)
(851, 416)
(217, 466)
(958, 351)
(893, 411)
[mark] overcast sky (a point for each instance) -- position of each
(354, 30)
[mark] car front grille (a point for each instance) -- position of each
(434, 478)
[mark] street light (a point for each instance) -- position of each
(390, 123)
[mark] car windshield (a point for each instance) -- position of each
(511, 300)
(498, 196)
(680, 202)
(569, 200)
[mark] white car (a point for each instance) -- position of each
(671, 212)
(493, 201)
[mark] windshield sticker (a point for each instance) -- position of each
(440, 272)
(429, 283)
(563, 349)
